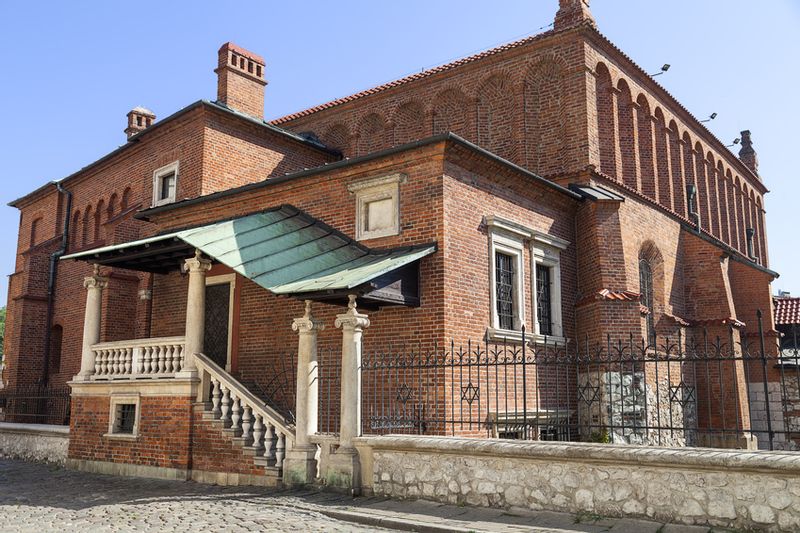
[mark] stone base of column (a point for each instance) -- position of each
(343, 472)
(734, 441)
(300, 466)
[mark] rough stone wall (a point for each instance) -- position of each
(34, 442)
(721, 488)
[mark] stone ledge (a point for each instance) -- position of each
(34, 429)
(705, 458)
(145, 387)
(127, 469)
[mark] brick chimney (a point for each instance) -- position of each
(139, 119)
(747, 155)
(571, 13)
(240, 80)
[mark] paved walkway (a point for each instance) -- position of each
(39, 498)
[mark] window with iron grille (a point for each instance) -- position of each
(646, 289)
(544, 302)
(125, 419)
(504, 289)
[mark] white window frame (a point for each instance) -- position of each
(221, 280)
(157, 175)
(115, 400)
(372, 190)
(507, 238)
(546, 251)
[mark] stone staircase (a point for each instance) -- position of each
(261, 433)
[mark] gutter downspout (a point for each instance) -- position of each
(51, 281)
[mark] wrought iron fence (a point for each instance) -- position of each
(709, 390)
(35, 405)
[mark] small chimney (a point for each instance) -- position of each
(240, 80)
(573, 12)
(139, 119)
(747, 155)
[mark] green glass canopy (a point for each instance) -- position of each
(284, 250)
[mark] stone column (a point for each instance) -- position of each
(197, 267)
(94, 285)
(344, 472)
(300, 465)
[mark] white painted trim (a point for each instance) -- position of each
(157, 175)
(548, 256)
(372, 190)
(516, 249)
(231, 280)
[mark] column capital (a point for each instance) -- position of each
(352, 318)
(95, 281)
(197, 263)
(307, 323)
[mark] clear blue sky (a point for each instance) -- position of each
(71, 71)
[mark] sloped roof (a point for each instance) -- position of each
(284, 250)
(787, 311)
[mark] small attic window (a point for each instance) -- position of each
(165, 184)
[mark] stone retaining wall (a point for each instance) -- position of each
(693, 486)
(34, 442)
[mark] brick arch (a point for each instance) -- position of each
(625, 131)
(604, 89)
(730, 196)
(76, 230)
(761, 232)
(707, 175)
(370, 133)
(663, 172)
(451, 109)
(111, 210)
(690, 175)
(98, 219)
(337, 137)
(409, 122)
(544, 118)
(750, 217)
(740, 214)
(87, 229)
(650, 254)
(676, 166)
(125, 203)
(496, 115)
(644, 125)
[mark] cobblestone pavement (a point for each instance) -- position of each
(38, 498)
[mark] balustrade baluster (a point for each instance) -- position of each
(177, 358)
(246, 423)
(168, 358)
(215, 398)
(280, 450)
(161, 360)
(258, 433)
(104, 362)
(128, 360)
(226, 405)
(114, 362)
(269, 443)
(236, 412)
(136, 357)
(97, 361)
(145, 354)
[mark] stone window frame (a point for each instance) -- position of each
(375, 189)
(158, 175)
(116, 400)
(508, 238)
(546, 251)
(231, 280)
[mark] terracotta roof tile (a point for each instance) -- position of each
(787, 311)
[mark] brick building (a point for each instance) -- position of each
(548, 183)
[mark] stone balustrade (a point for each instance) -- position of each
(139, 358)
(261, 430)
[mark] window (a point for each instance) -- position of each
(377, 206)
(646, 290)
(544, 303)
(165, 184)
(546, 256)
(123, 419)
(504, 289)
